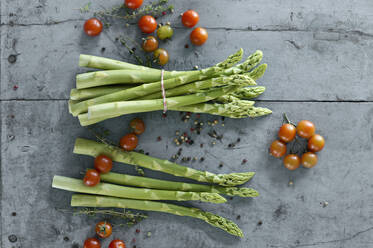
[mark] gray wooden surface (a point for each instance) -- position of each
(320, 68)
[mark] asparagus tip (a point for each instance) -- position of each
(222, 223)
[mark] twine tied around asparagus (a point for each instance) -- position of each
(163, 93)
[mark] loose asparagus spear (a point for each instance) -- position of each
(76, 185)
(150, 88)
(152, 183)
(248, 92)
(79, 200)
(92, 148)
(100, 112)
(84, 94)
(127, 107)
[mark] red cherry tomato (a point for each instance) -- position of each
(103, 164)
(91, 178)
(309, 160)
(93, 27)
(133, 4)
(190, 18)
(129, 142)
(291, 161)
(306, 129)
(316, 143)
(92, 243)
(104, 229)
(287, 132)
(117, 243)
(150, 44)
(147, 24)
(138, 126)
(277, 149)
(199, 36)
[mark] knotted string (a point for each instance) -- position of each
(163, 93)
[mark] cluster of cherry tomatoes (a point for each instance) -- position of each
(287, 133)
(104, 164)
(148, 24)
(103, 229)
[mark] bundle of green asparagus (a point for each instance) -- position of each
(141, 193)
(120, 88)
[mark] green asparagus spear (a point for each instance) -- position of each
(100, 112)
(84, 94)
(152, 183)
(128, 107)
(228, 98)
(113, 77)
(92, 148)
(76, 185)
(111, 64)
(79, 200)
(234, 109)
(248, 92)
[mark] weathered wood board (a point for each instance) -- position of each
(319, 56)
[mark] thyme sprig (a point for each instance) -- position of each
(155, 8)
(85, 8)
(130, 217)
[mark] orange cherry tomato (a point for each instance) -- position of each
(161, 55)
(287, 132)
(199, 36)
(277, 149)
(291, 161)
(306, 129)
(92, 243)
(309, 160)
(117, 243)
(150, 44)
(133, 4)
(190, 18)
(316, 143)
(91, 178)
(147, 24)
(93, 27)
(104, 229)
(137, 125)
(103, 164)
(129, 142)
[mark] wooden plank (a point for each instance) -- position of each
(302, 65)
(37, 144)
(237, 14)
